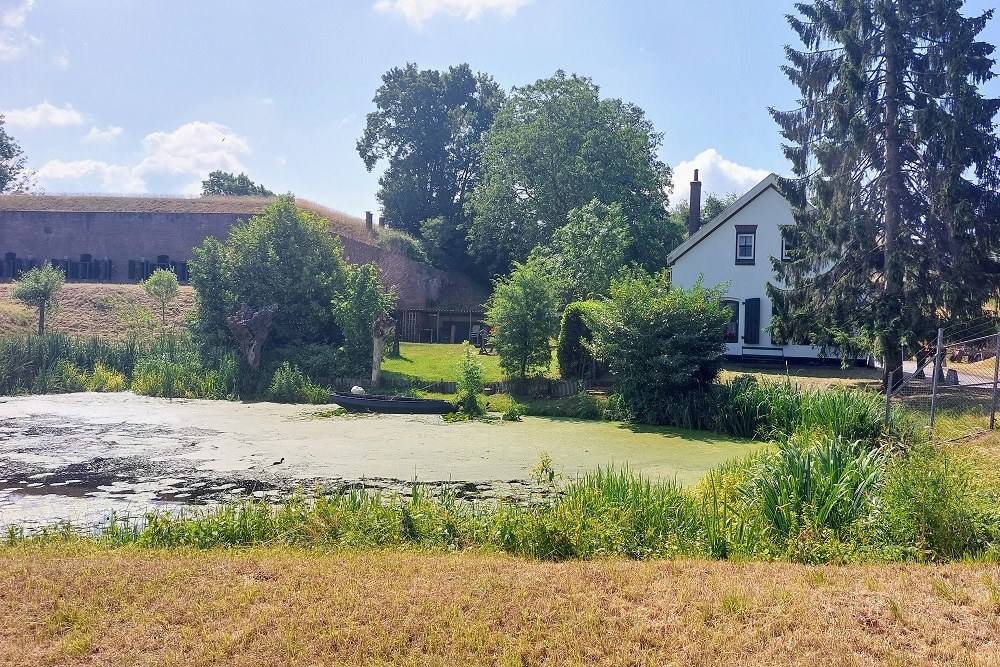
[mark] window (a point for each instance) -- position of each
(787, 243)
(746, 241)
(733, 328)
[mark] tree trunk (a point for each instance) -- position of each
(892, 302)
(382, 328)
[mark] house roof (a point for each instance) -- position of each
(705, 230)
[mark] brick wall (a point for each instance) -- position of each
(122, 236)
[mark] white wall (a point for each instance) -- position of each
(713, 257)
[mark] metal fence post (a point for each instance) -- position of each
(996, 374)
(937, 371)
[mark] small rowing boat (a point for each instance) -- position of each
(391, 404)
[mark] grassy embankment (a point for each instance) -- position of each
(85, 605)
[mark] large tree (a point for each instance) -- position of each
(225, 183)
(14, 173)
(896, 162)
(555, 146)
(427, 125)
(284, 256)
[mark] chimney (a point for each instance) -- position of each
(381, 221)
(368, 221)
(694, 206)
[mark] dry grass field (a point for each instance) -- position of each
(94, 309)
(81, 605)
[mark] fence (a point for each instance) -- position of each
(953, 387)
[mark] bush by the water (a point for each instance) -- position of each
(749, 408)
(290, 385)
(661, 342)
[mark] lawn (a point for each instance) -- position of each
(424, 363)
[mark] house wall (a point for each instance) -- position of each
(714, 260)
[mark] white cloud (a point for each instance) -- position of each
(179, 159)
(44, 115)
(98, 136)
(418, 11)
(262, 101)
(14, 39)
(114, 177)
(717, 175)
(61, 60)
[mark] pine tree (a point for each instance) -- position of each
(896, 163)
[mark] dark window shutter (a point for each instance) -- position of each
(751, 332)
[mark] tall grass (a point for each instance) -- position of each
(748, 408)
(31, 364)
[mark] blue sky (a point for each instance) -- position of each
(132, 96)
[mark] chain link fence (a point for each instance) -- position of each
(952, 386)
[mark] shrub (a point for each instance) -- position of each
(576, 361)
(107, 379)
(470, 385)
(932, 507)
(290, 385)
(67, 378)
(821, 484)
(660, 342)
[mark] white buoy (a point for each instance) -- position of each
(358, 391)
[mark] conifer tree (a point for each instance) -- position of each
(896, 163)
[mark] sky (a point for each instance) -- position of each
(149, 96)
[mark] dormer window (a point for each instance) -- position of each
(746, 244)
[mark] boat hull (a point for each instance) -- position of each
(391, 404)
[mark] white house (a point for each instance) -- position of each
(735, 248)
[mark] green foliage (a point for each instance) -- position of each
(174, 368)
(105, 379)
(290, 385)
(513, 412)
(39, 288)
(224, 183)
(934, 509)
(362, 300)
(282, 256)
(470, 384)
(522, 314)
(573, 349)
(444, 243)
(817, 485)
(161, 286)
(427, 124)
(15, 176)
(402, 243)
(556, 146)
(29, 363)
(67, 378)
(896, 167)
(660, 342)
(589, 250)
